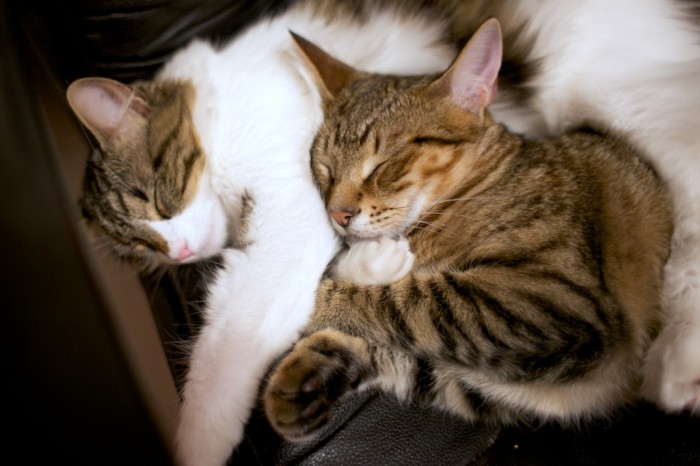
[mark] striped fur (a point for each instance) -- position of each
(253, 115)
(149, 164)
(538, 264)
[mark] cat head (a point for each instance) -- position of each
(147, 186)
(391, 147)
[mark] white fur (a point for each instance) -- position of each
(375, 262)
(256, 115)
(199, 231)
(632, 67)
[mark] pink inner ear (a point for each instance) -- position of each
(100, 103)
(474, 73)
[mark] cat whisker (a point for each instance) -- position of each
(452, 214)
(461, 199)
(102, 249)
(425, 225)
(156, 278)
(100, 246)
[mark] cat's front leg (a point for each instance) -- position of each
(374, 262)
(672, 370)
(304, 387)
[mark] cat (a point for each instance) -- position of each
(628, 67)
(210, 158)
(534, 97)
(536, 288)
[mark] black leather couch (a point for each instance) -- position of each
(92, 368)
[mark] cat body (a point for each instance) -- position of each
(631, 68)
(249, 115)
(212, 156)
(536, 286)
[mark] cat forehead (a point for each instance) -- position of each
(379, 95)
(378, 103)
(133, 157)
(167, 92)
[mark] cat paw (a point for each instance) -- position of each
(672, 368)
(375, 262)
(672, 372)
(303, 389)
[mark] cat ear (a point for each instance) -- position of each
(330, 74)
(106, 107)
(471, 79)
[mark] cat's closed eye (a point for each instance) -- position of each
(376, 168)
(429, 139)
(138, 193)
(324, 173)
(162, 209)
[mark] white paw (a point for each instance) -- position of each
(374, 262)
(672, 372)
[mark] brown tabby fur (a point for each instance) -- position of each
(536, 285)
(147, 168)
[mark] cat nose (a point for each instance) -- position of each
(342, 216)
(184, 253)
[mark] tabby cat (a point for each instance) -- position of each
(211, 157)
(536, 287)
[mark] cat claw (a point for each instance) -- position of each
(375, 262)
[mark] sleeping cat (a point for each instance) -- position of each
(630, 67)
(212, 156)
(247, 113)
(536, 288)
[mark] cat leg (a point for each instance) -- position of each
(672, 367)
(323, 367)
(246, 328)
(374, 262)
(224, 372)
(308, 381)
(672, 371)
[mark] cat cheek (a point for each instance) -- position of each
(145, 257)
(417, 207)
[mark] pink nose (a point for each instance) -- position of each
(184, 253)
(342, 217)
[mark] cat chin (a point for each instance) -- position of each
(186, 246)
(351, 238)
(164, 259)
(358, 233)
